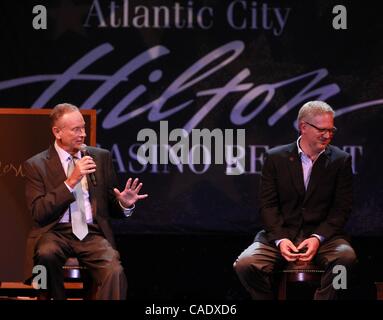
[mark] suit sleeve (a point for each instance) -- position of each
(45, 205)
(115, 209)
(269, 202)
(342, 202)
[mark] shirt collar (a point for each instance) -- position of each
(300, 151)
(63, 155)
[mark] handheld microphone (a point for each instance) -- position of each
(84, 152)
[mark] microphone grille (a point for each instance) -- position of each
(83, 147)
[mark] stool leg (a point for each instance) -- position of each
(89, 286)
(43, 295)
(282, 288)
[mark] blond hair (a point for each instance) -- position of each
(312, 108)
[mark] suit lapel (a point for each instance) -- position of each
(318, 170)
(296, 171)
(55, 171)
(55, 168)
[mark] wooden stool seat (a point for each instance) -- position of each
(298, 272)
(72, 269)
(75, 272)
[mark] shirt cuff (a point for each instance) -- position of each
(127, 211)
(69, 188)
(320, 238)
(277, 242)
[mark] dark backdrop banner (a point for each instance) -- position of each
(204, 64)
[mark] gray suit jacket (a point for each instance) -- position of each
(48, 197)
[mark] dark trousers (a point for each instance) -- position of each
(94, 251)
(256, 265)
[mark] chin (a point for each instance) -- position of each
(77, 146)
(322, 146)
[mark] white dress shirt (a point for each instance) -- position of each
(65, 157)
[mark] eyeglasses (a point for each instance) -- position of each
(78, 130)
(75, 130)
(331, 131)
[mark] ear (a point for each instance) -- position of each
(56, 132)
(300, 126)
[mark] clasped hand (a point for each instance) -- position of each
(291, 252)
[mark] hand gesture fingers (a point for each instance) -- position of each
(131, 193)
(142, 196)
(128, 183)
(134, 184)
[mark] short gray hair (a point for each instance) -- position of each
(313, 108)
(59, 110)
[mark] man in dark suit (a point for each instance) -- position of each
(305, 200)
(71, 194)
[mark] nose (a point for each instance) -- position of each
(327, 134)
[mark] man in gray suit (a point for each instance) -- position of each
(71, 193)
(305, 201)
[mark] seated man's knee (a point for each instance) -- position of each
(243, 265)
(46, 251)
(117, 269)
(347, 257)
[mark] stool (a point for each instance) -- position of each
(379, 290)
(75, 272)
(298, 272)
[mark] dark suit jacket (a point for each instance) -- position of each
(286, 207)
(48, 197)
